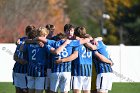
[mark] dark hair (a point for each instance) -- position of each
(32, 34)
(29, 28)
(67, 27)
(80, 32)
(50, 26)
(61, 36)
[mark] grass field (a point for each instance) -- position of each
(7, 87)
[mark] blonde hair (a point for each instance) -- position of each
(42, 31)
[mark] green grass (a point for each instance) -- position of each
(7, 87)
(125, 88)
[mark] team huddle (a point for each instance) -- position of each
(67, 61)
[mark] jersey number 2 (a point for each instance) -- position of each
(34, 54)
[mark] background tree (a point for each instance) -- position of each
(17, 14)
(122, 27)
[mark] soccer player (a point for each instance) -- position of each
(82, 65)
(20, 69)
(102, 58)
(51, 29)
(61, 73)
(36, 62)
(69, 31)
(103, 69)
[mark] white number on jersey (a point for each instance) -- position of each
(34, 54)
(64, 53)
(86, 53)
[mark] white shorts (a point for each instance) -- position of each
(104, 81)
(47, 79)
(60, 80)
(81, 82)
(36, 82)
(20, 80)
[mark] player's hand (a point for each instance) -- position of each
(18, 41)
(41, 44)
(67, 41)
(22, 61)
(111, 63)
(58, 61)
(99, 38)
(40, 38)
(95, 42)
(89, 36)
(77, 38)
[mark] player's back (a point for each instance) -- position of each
(102, 67)
(37, 54)
(37, 60)
(103, 49)
(82, 66)
(20, 68)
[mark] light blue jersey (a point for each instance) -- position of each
(49, 57)
(102, 67)
(82, 66)
(67, 51)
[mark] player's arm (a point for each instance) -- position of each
(23, 61)
(32, 41)
(18, 42)
(83, 40)
(23, 49)
(103, 58)
(91, 46)
(19, 60)
(60, 48)
(36, 40)
(15, 57)
(42, 39)
(73, 56)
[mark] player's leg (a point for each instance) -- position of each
(31, 90)
(77, 84)
(39, 84)
(54, 82)
(18, 90)
(65, 79)
(31, 84)
(86, 84)
(86, 91)
(47, 81)
(76, 91)
(104, 82)
(20, 82)
(38, 91)
(25, 90)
